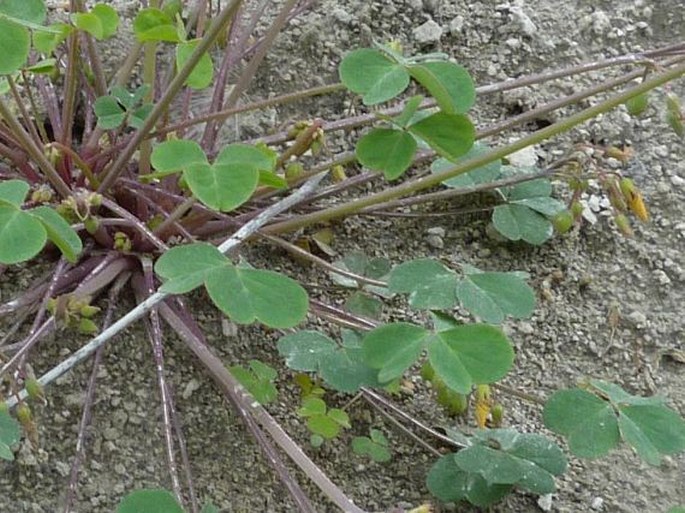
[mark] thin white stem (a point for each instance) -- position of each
(238, 238)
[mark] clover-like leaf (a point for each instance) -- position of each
(341, 366)
(220, 186)
(202, 74)
(518, 222)
(375, 446)
(504, 456)
(185, 268)
(450, 85)
(493, 295)
(449, 483)
(370, 73)
(246, 155)
(149, 501)
(470, 354)
(22, 236)
(588, 422)
(258, 380)
(428, 283)
(176, 155)
(15, 43)
(246, 295)
(388, 150)
(14, 191)
(59, 232)
(450, 135)
(392, 348)
(109, 112)
(47, 41)
(304, 350)
(10, 433)
(152, 24)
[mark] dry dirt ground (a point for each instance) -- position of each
(579, 278)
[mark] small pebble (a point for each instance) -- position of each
(434, 241)
(429, 32)
(597, 503)
(637, 318)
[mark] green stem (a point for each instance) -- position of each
(413, 186)
(70, 89)
(175, 86)
(33, 150)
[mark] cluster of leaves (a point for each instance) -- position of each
(461, 356)
(492, 463)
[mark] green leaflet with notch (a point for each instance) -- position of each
(370, 73)
(149, 501)
(388, 150)
(450, 85)
(450, 135)
(469, 355)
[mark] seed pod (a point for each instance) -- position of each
(35, 390)
(674, 114)
(87, 327)
(25, 418)
(24, 415)
(633, 197)
(427, 372)
(577, 209)
(563, 221)
(453, 402)
(91, 224)
(293, 170)
(623, 225)
(637, 104)
(615, 195)
(88, 311)
(483, 405)
(496, 415)
(338, 173)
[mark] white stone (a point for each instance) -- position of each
(429, 32)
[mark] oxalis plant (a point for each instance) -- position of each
(124, 186)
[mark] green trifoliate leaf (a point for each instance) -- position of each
(258, 380)
(449, 483)
(109, 112)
